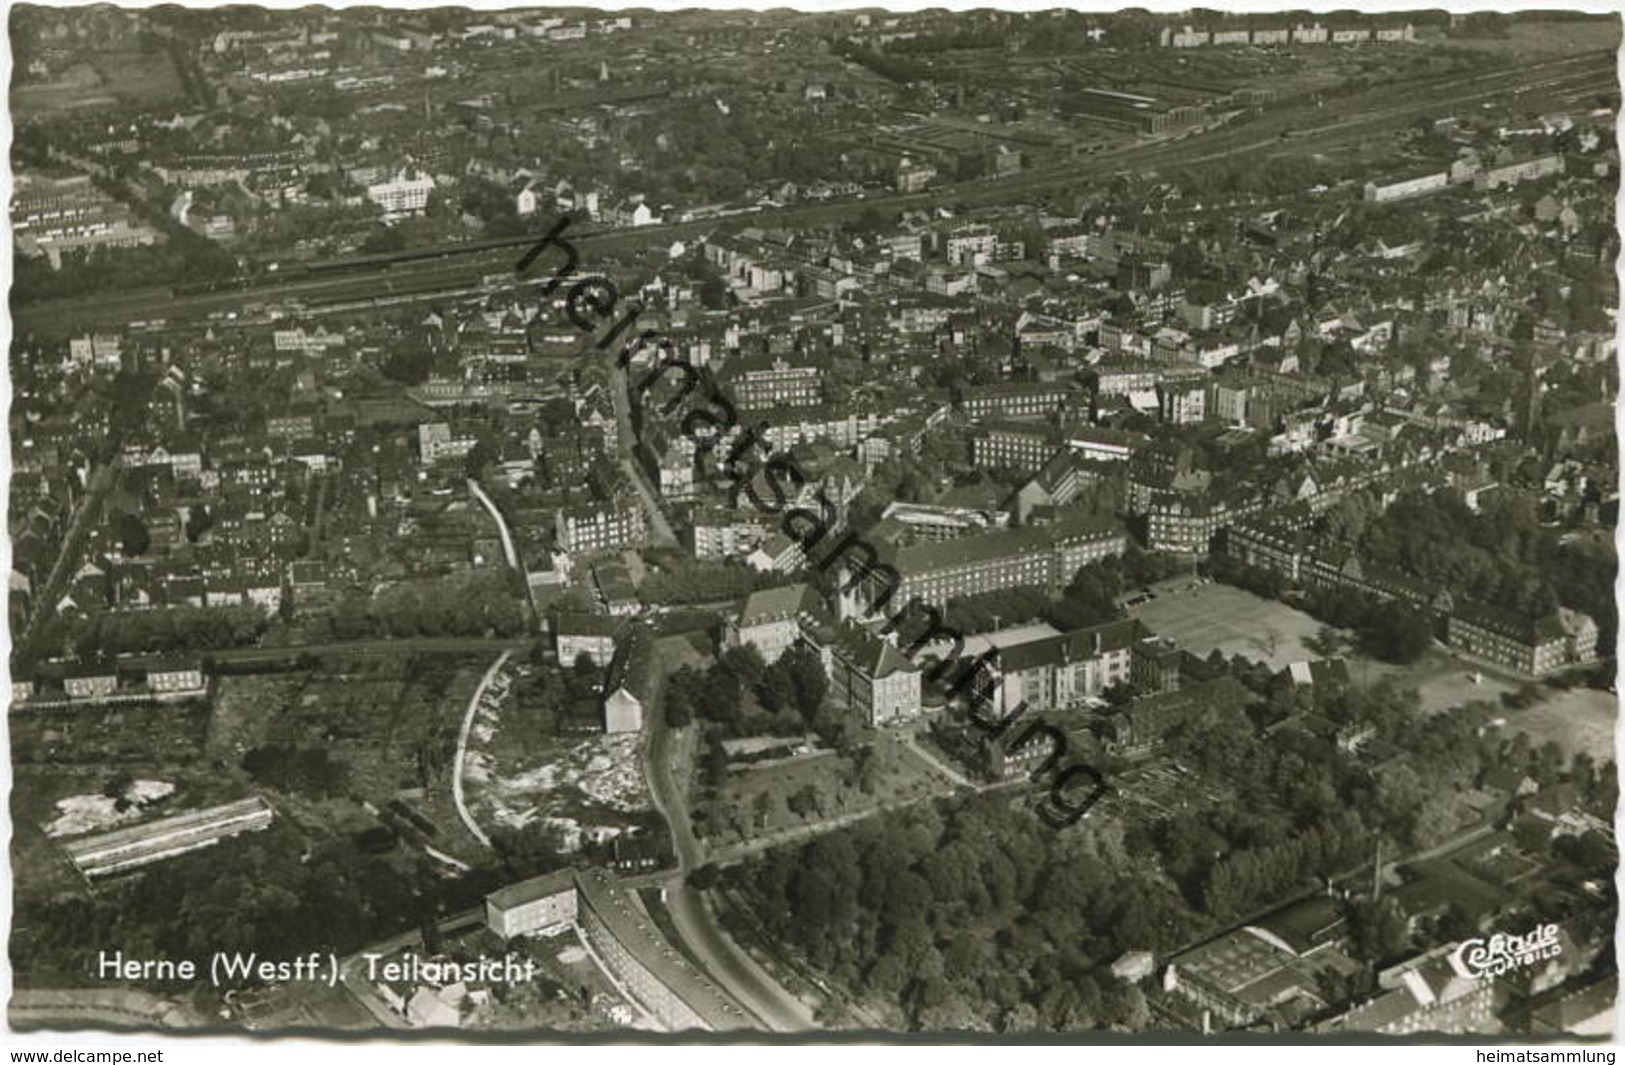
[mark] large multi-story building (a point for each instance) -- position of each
(1406, 187)
(402, 195)
(1020, 447)
(1186, 524)
(600, 526)
(592, 635)
(541, 905)
(1532, 645)
(869, 676)
(1058, 672)
(1044, 556)
(761, 382)
(1147, 723)
(1022, 399)
(721, 533)
(437, 442)
(627, 944)
(53, 215)
(770, 620)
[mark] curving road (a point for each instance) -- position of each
(732, 969)
(462, 749)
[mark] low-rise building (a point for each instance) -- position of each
(592, 635)
(634, 677)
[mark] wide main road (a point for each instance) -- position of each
(1349, 119)
(729, 966)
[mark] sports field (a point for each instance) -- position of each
(1236, 622)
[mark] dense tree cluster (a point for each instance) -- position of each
(893, 68)
(687, 581)
(980, 919)
(790, 693)
(104, 269)
(550, 699)
(169, 630)
(1501, 556)
(473, 604)
(309, 771)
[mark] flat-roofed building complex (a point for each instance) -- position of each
(130, 848)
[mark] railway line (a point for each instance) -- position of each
(447, 269)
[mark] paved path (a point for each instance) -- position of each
(462, 749)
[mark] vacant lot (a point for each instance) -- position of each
(1231, 620)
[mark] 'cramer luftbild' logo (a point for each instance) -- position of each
(1502, 953)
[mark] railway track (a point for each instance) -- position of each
(375, 280)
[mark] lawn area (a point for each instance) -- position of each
(1581, 719)
(1233, 621)
(755, 801)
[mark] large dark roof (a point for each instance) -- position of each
(1078, 645)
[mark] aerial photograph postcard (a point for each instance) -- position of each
(833, 524)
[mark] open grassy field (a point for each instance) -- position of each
(1229, 619)
(1237, 622)
(1581, 719)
